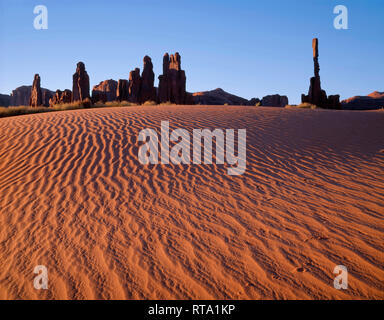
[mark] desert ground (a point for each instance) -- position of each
(75, 198)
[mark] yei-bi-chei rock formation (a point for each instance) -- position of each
(148, 90)
(140, 88)
(80, 88)
(134, 86)
(316, 95)
(122, 90)
(61, 97)
(36, 98)
(172, 83)
(105, 91)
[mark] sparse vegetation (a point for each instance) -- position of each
(20, 110)
(87, 103)
(119, 104)
(168, 103)
(302, 106)
(149, 103)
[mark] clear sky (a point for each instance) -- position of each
(250, 48)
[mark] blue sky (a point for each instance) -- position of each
(247, 47)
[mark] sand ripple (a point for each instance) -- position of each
(74, 197)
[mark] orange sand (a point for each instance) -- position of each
(74, 197)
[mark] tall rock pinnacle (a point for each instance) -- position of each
(80, 83)
(36, 98)
(316, 95)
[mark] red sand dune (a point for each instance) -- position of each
(74, 197)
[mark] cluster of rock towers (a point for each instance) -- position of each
(137, 89)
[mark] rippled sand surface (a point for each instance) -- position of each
(74, 197)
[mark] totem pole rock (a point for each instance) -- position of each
(316, 95)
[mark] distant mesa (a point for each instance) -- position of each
(221, 97)
(275, 100)
(5, 100)
(254, 102)
(21, 96)
(218, 97)
(316, 95)
(376, 95)
(373, 101)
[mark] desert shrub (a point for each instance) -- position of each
(304, 105)
(87, 103)
(120, 104)
(149, 103)
(19, 110)
(112, 103)
(168, 103)
(99, 104)
(66, 106)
